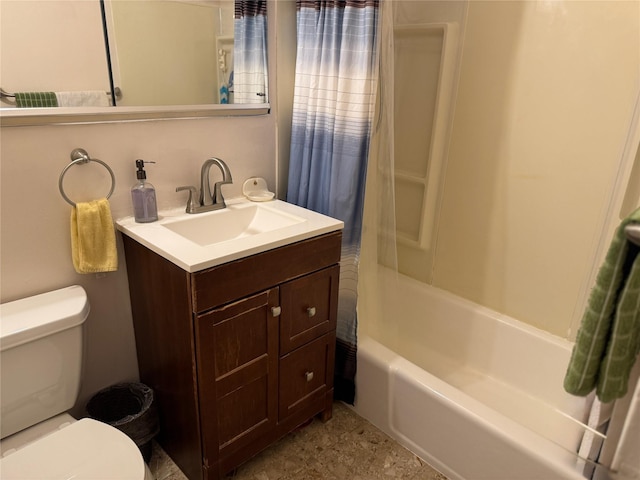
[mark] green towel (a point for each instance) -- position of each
(609, 337)
(36, 99)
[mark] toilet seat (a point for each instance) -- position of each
(84, 450)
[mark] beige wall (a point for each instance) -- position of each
(34, 231)
(35, 251)
(32, 61)
(166, 52)
(544, 105)
(513, 235)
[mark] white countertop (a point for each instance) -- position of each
(193, 256)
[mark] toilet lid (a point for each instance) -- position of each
(86, 449)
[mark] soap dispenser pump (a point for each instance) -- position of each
(143, 196)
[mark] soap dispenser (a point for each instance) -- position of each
(143, 196)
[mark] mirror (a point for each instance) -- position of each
(196, 63)
(172, 53)
(51, 46)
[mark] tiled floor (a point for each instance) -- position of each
(345, 448)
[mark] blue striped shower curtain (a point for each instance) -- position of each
(250, 77)
(334, 102)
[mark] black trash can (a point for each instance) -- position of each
(130, 408)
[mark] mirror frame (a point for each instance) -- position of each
(15, 117)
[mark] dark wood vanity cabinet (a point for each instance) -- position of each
(239, 354)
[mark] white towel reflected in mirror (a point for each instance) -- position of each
(83, 98)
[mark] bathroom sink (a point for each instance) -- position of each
(231, 223)
(202, 240)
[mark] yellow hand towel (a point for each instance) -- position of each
(93, 238)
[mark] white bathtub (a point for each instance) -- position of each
(474, 393)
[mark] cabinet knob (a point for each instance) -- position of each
(311, 311)
(276, 311)
(309, 376)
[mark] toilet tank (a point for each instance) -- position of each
(41, 346)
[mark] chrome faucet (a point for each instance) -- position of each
(205, 187)
(207, 201)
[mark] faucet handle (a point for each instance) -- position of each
(218, 198)
(191, 202)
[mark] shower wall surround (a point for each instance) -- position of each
(544, 104)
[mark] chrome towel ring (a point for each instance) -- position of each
(79, 156)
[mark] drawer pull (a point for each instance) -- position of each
(276, 311)
(311, 311)
(309, 376)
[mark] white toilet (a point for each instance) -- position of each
(41, 344)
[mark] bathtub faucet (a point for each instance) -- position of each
(208, 201)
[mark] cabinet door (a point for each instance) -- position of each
(306, 375)
(237, 347)
(309, 308)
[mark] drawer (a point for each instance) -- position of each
(230, 281)
(309, 308)
(306, 374)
